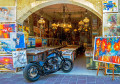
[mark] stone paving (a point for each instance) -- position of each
(14, 78)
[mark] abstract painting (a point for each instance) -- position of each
(20, 27)
(110, 6)
(107, 49)
(38, 42)
(5, 30)
(20, 40)
(116, 71)
(19, 58)
(31, 43)
(7, 14)
(6, 46)
(111, 24)
(6, 63)
(44, 42)
(26, 33)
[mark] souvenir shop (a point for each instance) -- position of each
(66, 27)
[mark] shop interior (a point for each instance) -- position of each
(71, 26)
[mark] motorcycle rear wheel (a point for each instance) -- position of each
(67, 65)
(31, 72)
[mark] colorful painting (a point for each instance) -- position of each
(38, 42)
(31, 43)
(20, 28)
(110, 6)
(107, 49)
(7, 14)
(19, 58)
(6, 63)
(111, 24)
(26, 33)
(20, 40)
(5, 30)
(116, 71)
(44, 42)
(6, 46)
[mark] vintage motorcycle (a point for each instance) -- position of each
(54, 62)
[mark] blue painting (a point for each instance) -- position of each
(44, 42)
(6, 46)
(31, 43)
(116, 71)
(110, 6)
(20, 40)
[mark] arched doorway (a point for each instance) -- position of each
(77, 13)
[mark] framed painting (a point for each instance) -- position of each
(20, 40)
(6, 63)
(110, 6)
(5, 30)
(116, 71)
(111, 24)
(107, 49)
(31, 43)
(6, 46)
(19, 28)
(38, 42)
(44, 42)
(8, 14)
(19, 58)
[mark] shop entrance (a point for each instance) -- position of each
(72, 27)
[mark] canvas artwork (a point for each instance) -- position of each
(7, 14)
(26, 33)
(116, 71)
(31, 43)
(20, 27)
(110, 6)
(6, 63)
(107, 49)
(19, 58)
(5, 30)
(38, 42)
(6, 46)
(20, 40)
(111, 24)
(44, 42)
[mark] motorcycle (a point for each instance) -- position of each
(53, 63)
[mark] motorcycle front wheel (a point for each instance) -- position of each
(67, 65)
(31, 72)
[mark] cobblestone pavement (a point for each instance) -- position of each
(14, 78)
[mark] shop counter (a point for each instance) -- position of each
(40, 53)
(69, 53)
(70, 49)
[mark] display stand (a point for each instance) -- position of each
(105, 67)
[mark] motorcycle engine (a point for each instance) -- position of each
(52, 64)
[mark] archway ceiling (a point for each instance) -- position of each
(27, 7)
(56, 11)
